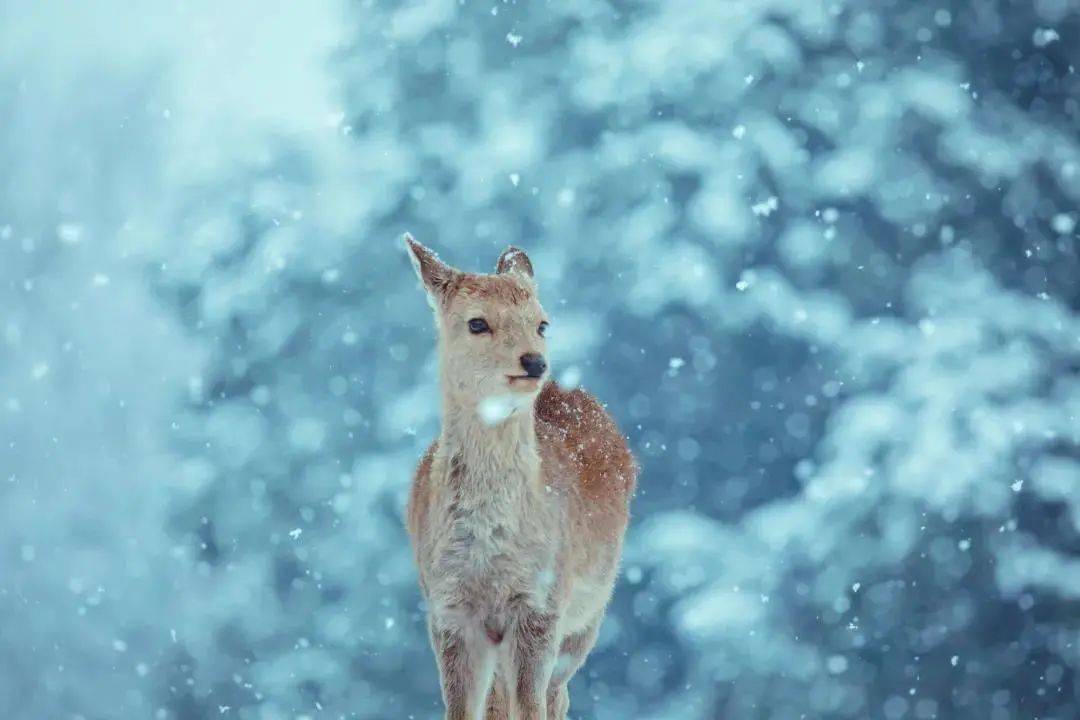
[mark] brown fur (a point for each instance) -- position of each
(574, 430)
(499, 289)
(517, 524)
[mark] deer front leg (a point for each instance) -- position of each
(532, 657)
(466, 668)
(498, 707)
(572, 652)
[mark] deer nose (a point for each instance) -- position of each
(534, 364)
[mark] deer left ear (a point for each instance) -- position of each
(514, 260)
(435, 275)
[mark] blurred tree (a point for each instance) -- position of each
(819, 257)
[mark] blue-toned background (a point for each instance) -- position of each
(820, 258)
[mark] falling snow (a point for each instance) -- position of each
(819, 260)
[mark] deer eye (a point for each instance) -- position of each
(542, 330)
(478, 325)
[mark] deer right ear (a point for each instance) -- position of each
(514, 260)
(434, 274)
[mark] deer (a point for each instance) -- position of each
(517, 511)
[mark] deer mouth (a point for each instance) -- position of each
(524, 379)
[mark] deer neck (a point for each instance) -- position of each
(491, 454)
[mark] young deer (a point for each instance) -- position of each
(517, 512)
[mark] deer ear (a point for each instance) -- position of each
(514, 260)
(434, 274)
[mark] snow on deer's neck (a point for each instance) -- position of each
(494, 438)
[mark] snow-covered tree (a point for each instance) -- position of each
(819, 258)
